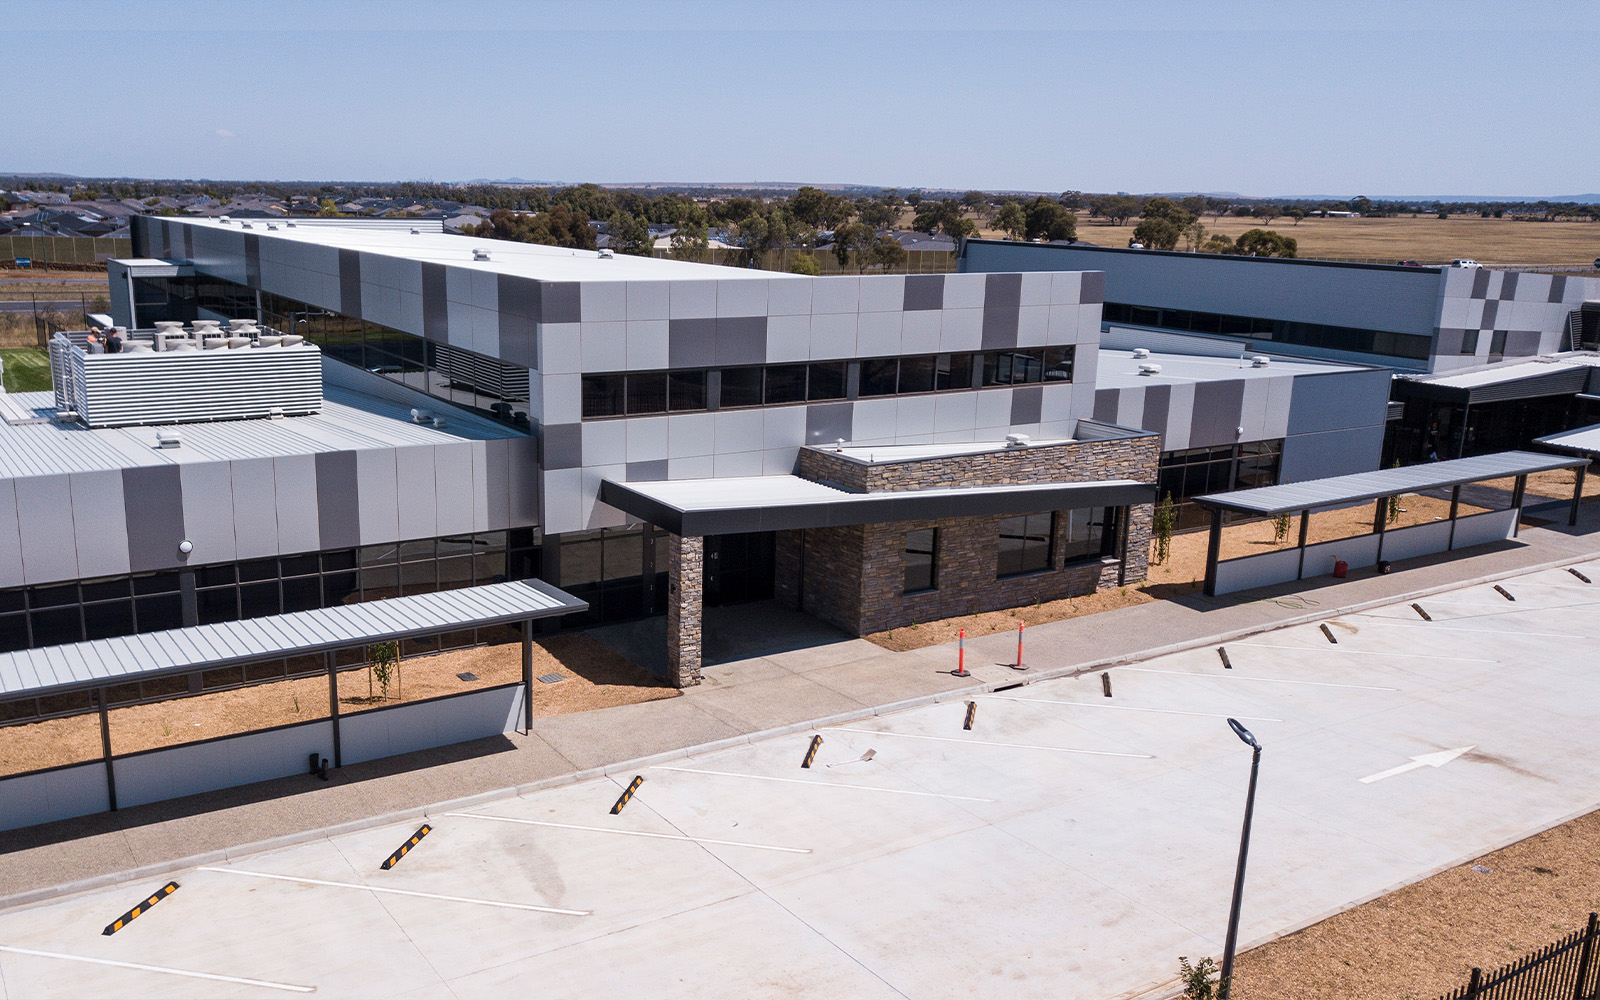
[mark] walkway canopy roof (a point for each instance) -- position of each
(1340, 490)
(697, 507)
(1557, 376)
(80, 666)
(1582, 441)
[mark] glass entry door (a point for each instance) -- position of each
(739, 567)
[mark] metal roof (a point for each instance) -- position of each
(698, 507)
(100, 662)
(1337, 490)
(1557, 375)
(1119, 369)
(1581, 441)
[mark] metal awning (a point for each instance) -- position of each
(1338, 490)
(1496, 383)
(698, 507)
(1581, 441)
(99, 662)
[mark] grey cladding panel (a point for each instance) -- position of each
(1331, 453)
(1105, 405)
(44, 505)
(741, 340)
(1157, 402)
(350, 282)
(692, 343)
(519, 312)
(924, 291)
(497, 482)
(560, 302)
(1093, 288)
(1002, 290)
(561, 446)
(1218, 409)
(1480, 283)
(10, 537)
(1558, 288)
(435, 303)
(255, 508)
(828, 422)
(1026, 403)
(154, 517)
(1337, 400)
(338, 513)
(252, 260)
(99, 523)
(208, 510)
(1508, 285)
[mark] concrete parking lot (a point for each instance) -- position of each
(1069, 844)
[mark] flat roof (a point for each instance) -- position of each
(1580, 440)
(1336, 490)
(359, 411)
(698, 507)
(527, 260)
(1119, 369)
(889, 454)
(80, 666)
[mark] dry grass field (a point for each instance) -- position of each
(1495, 242)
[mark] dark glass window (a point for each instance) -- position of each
(1024, 544)
(921, 560)
(1087, 535)
(53, 597)
(339, 559)
(303, 594)
(1469, 342)
(13, 633)
(220, 605)
(686, 391)
(741, 387)
(602, 395)
(156, 583)
(1497, 342)
(917, 374)
(647, 393)
(1012, 367)
(879, 376)
(827, 380)
(954, 371)
(11, 600)
(215, 576)
(302, 565)
(786, 384)
(259, 569)
(59, 625)
(1058, 364)
(259, 599)
(110, 618)
(158, 613)
(105, 590)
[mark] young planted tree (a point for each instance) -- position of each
(1162, 525)
(1197, 981)
(1280, 529)
(383, 661)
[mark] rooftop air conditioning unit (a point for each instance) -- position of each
(1017, 440)
(1261, 361)
(606, 255)
(1149, 369)
(480, 255)
(1141, 352)
(223, 219)
(246, 225)
(421, 416)
(168, 439)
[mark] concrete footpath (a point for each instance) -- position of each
(768, 671)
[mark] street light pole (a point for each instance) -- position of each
(1248, 739)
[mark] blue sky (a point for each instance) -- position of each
(1344, 98)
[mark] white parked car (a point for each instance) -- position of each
(1464, 262)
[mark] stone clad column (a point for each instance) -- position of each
(685, 581)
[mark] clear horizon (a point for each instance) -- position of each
(1260, 99)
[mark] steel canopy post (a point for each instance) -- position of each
(1577, 496)
(1213, 552)
(527, 675)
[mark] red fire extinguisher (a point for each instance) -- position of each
(1341, 569)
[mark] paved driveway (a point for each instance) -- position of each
(1068, 845)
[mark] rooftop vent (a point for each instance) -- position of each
(1141, 352)
(1149, 369)
(272, 227)
(1017, 440)
(168, 439)
(480, 255)
(421, 416)
(289, 224)
(224, 219)
(1260, 361)
(606, 255)
(246, 225)
(415, 231)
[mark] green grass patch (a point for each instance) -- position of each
(27, 369)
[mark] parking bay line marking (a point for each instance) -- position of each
(823, 784)
(635, 833)
(403, 892)
(1364, 652)
(1439, 627)
(986, 743)
(1236, 676)
(157, 968)
(1127, 708)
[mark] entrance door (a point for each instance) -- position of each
(739, 567)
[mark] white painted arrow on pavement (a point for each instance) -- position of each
(1438, 759)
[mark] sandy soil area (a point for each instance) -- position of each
(1423, 940)
(595, 677)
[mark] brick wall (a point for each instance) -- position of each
(1069, 462)
(685, 581)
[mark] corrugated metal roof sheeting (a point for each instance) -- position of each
(1336, 490)
(1582, 440)
(83, 665)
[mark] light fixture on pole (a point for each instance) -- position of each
(1249, 739)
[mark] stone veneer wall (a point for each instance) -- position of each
(853, 575)
(685, 582)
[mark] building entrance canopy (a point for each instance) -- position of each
(698, 507)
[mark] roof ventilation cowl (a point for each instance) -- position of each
(1141, 352)
(168, 439)
(421, 417)
(1149, 369)
(1260, 361)
(480, 254)
(606, 254)
(1017, 440)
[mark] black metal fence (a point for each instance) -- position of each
(29, 318)
(1569, 969)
